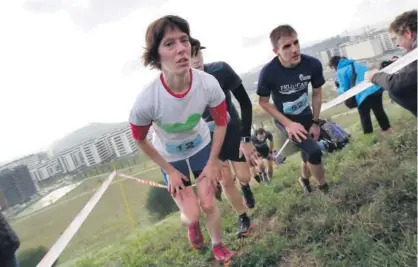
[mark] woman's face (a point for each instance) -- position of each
(175, 52)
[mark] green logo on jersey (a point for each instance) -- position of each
(179, 127)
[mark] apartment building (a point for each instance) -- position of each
(71, 159)
(325, 55)
(386, 40)
(96, 151)
(30, 161)
(113, 145)
(367, 48)
(16, 185)
(46, 170)
(122, 142)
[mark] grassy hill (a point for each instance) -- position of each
(92, 130)
(368, 219)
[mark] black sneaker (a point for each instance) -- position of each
(306, 185)
(324, 188)
(244, 226)
(248, 196)
(257, 178)
(218, 192)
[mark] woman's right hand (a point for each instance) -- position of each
(297, 131)
(176, 182)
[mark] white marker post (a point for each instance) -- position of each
(62, 242)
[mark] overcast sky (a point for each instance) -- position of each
(67, 63)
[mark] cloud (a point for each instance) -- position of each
(254, 40)
(91, 13)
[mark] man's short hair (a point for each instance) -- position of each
(279, 32)
(260, 131)
(403, 22)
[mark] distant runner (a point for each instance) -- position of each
(286, 77)
(237, 136)
(173, 104)
(265, 153)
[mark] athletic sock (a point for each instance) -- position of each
(215, 244)
(245, 185)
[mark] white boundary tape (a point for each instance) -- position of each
(392, 68)
(75, 225)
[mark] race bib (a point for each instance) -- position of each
(297, 106)
(184, 148)
(211, 124)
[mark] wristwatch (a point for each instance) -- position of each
(246, 139)
(316, 122)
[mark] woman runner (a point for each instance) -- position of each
(174, 103)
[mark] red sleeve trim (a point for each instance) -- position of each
(219, 114)
(139, 132)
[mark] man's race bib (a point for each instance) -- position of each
(184, 148)
(297, 106)
(211, 124)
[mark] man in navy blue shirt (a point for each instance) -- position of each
(286, 77)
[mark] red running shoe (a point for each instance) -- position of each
(221, 253)
(195, 235)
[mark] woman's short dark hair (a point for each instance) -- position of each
(154, 35)
(405, 21)
(334, 60)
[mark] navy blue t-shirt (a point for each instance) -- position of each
(229, 81)
(289, 86)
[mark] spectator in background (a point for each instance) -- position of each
(369, 99)
(9, 243)
(402, 85)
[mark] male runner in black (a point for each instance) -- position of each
(237, 138)
(265, 152)
(286, 77)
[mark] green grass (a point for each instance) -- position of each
(368, 219)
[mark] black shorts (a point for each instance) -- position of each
(231, 147)
(263, 152)
(197, 163)
(307, 146)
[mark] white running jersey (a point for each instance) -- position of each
(180, 131)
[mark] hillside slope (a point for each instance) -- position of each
(368, 219)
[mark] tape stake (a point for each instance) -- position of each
(283, 146)
(392, 68)
(62, 242)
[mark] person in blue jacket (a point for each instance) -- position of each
(369, 99)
